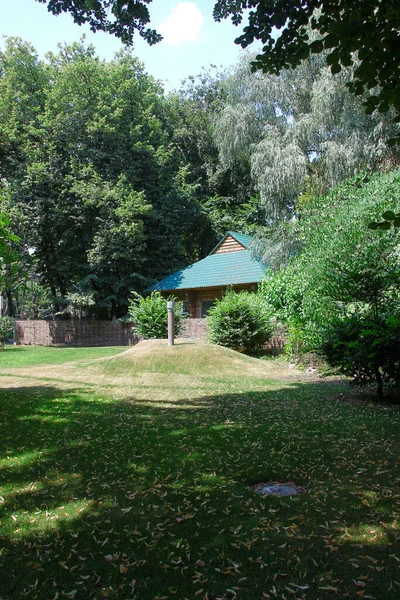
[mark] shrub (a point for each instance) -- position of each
(149, 315)
(6, 329)
(240, 321)
(365, 347)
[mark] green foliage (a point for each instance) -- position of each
(240, 321)
(6, 329)
(298, 134)
(121, 19)
(344, 28)
(32, 300)
(87, 150)
(389, 218)
(150, 318)
(365, 347)
(7, 254)
(343, 268)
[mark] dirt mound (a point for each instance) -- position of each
(187, 358)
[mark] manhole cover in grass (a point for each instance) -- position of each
(278, 489)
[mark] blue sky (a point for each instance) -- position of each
(192, 39)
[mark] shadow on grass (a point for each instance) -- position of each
(111, 499)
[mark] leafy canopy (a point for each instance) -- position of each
(8, 255)
(369, 28)
(298, 134)
(120, 18)
(365, 347)
(342, 267)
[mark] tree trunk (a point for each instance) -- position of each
(56, 306)
(380, 384)
(10, 304)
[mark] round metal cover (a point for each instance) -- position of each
(278, 489)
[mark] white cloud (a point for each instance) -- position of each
(182, 25)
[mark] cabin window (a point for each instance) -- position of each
(185, 308)
(205, 307)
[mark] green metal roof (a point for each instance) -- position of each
(229, 268)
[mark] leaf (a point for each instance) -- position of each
(200, 563)
(389, 215)
(126, 510)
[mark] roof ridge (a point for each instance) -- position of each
(236, 235)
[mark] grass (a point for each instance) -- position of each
(21, 356)
(129, 478)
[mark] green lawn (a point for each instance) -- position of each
(21, 356)
(130, 478)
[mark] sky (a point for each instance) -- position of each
(192, 39)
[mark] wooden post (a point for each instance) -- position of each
(171, 323)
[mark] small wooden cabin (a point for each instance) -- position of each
(230, 264)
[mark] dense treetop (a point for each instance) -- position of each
(369, 28)
(110, 185)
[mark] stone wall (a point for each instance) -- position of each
(195, 329)
(74, 333)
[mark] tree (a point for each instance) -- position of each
(120, 18)
(366, 348)
(225, 195)
(94, 166)
(297, 134)
(370, 28)
(343, 269)
(8, 259)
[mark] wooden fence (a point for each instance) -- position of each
(104, 333)
(74, 333)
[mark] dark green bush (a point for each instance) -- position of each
(365, 347)
(240, 321)
(150, 318)
(6, 329)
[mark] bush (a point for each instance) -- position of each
(6, 329)
(240, 321)
(150, 318)
(366, 348)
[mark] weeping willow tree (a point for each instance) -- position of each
(299, 133)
